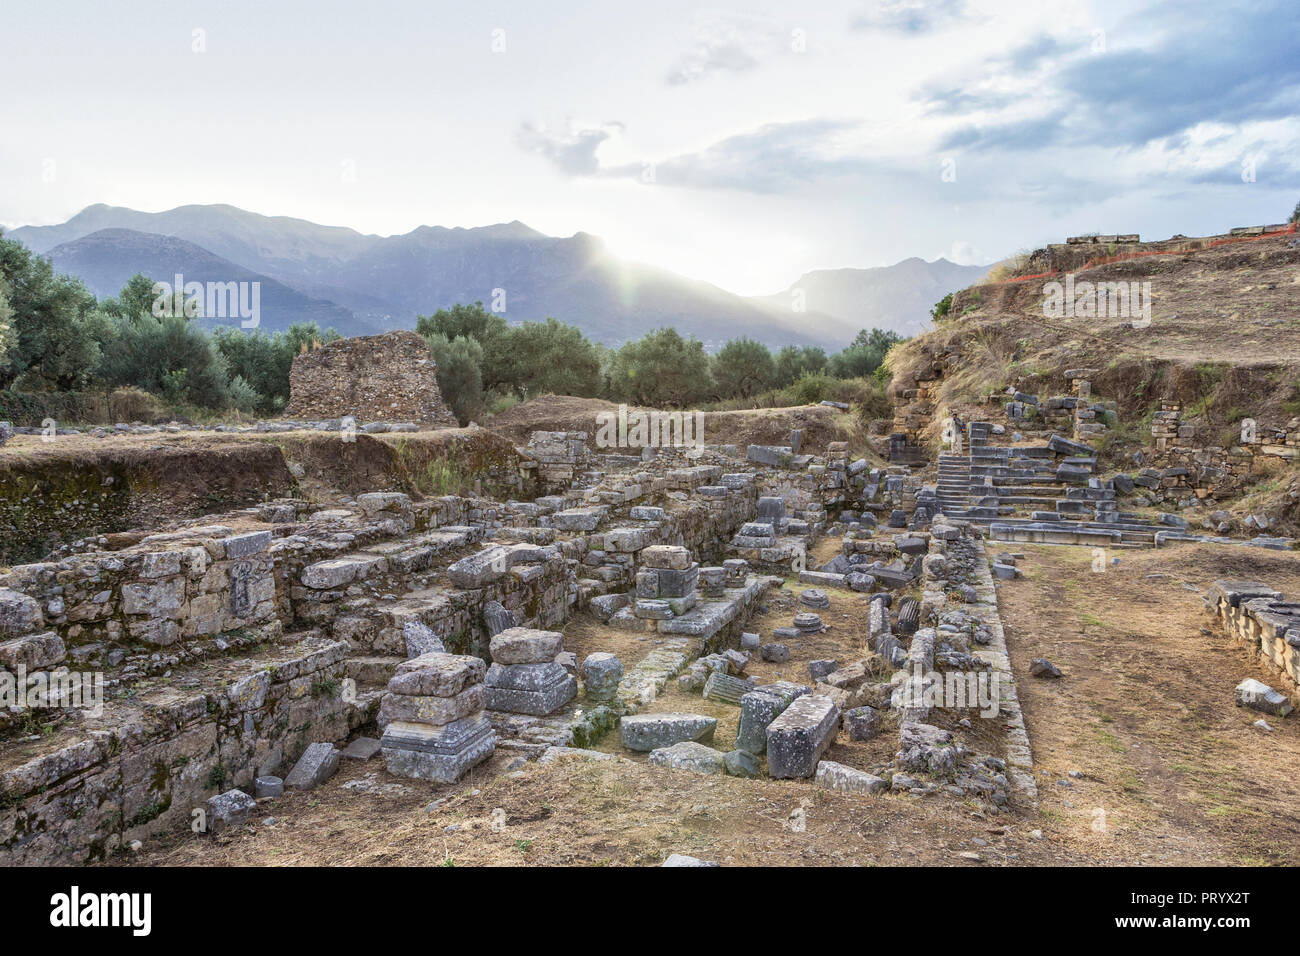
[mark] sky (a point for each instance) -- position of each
(741, 143)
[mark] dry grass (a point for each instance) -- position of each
(1145, 710)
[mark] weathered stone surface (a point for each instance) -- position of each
(1259, 696)
(836, 776)
(861, 582)
(1042, 667)
(536, 689)
(388, 377)
(601, 673)
(807, 622)
(268, 787)
(645, 732)
(421, 640)
(666, 556)
(774, 653)
(522, 645)
(759, 708)
(242, 545)
(424, 709)
(552, 754)
(797, 738)
(741, 763)
(363, 748)
(497, 618)
(229, 810)
(817, 670)
(317, 764)
(481, 569)
(690, 756)
(437, 675)
(336, 572)
(814, 598)
(33, 652)
(577, 519)
(605, 606)
(723, 687)
(862, 723)
(440, 754)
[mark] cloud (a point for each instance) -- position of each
(572, 153)
(774, 158)
(910, 16)
(1130, 97)
(726, 43)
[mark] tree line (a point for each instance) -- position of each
(56, 337)
(485, 363)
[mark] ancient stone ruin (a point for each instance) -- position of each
(385, 378)
(775, 612)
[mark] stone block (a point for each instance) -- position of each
(421, 640)
(646, 732)
(725, 688)
(481, 569)
(268, 786)
(759, 708)
(242, 545)
(836, 776)
(317, 764)
(862, 723)
(690, 756)
(1259, 696)
(437, 675)
(424, 709)
(797, 738)
(536, 689)
(33, 652)
(439, 754)
(522, 645)
(666, 556)
(601, 673)
(19, 614)
(228, 811)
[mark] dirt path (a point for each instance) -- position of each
(1172, 771)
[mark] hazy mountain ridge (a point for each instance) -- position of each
(107, 258)
(362, 283)
(897, 297)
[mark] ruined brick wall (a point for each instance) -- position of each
(389, 378)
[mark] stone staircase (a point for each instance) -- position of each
(1040, 493)
(953, 488)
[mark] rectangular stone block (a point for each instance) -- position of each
(439, 754)
(666, 556)
(536, 689)
(797, 738)
(437, 675)
(646, 732)
(523, 645)
(317, 764)
(437, 711)
(759, 708)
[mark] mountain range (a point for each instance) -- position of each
(361, 284)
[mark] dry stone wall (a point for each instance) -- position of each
(389, 377)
